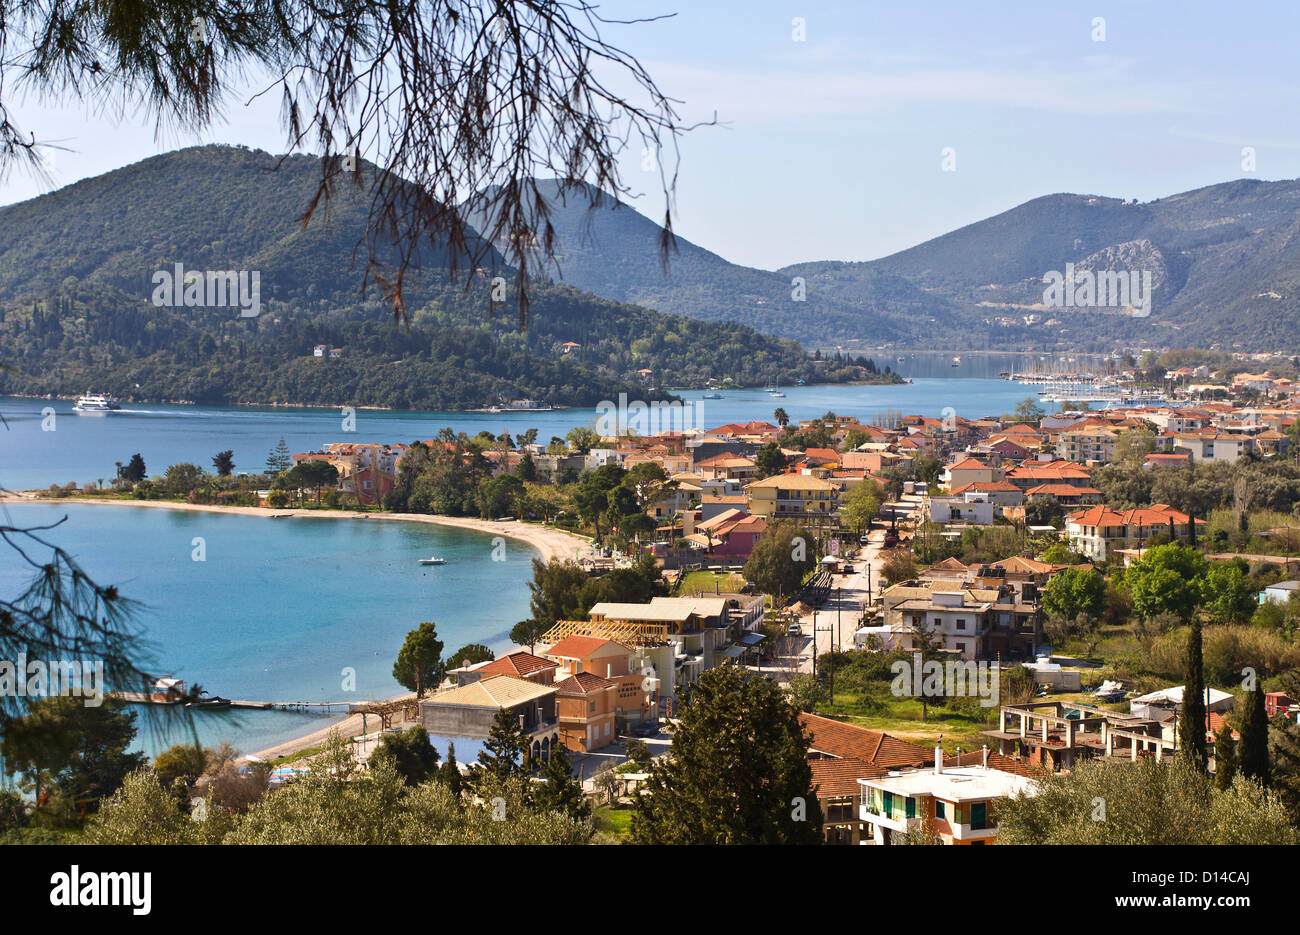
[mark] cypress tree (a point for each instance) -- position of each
(1252, 753)
(505, 751)
(449, 773)
(561, 792)
(1191, 730)
(1225, 757)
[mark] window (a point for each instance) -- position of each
(961, 624)
(979, 818)
(909, 809)
(939, 811)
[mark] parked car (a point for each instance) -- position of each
(863, 540)
(794, 630)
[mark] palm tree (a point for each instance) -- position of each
(782, 417)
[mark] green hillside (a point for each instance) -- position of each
(76, 281)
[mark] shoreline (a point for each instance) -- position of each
(551, 543)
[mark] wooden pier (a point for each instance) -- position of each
(325, 707)
(322, 707)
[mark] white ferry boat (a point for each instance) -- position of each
(96, 402)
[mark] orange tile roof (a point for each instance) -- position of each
(576, 647)
(1155, 515)
(985, 486)
(1059, 490)
(1056, 470)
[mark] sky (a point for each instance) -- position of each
(853, 130)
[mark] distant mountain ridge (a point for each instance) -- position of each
(612, 250)
(1226, 259)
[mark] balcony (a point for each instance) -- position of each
(538, 729)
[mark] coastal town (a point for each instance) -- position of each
(1020, 559)
(500, 424)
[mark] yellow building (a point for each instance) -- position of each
(798, 497)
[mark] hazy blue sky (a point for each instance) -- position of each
(833, 146)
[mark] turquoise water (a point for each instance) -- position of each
(84, 448)
(281, 606)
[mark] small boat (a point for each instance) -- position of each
(96, 402)
(775, 393)
(956, 361)
(711, 396)
(433, 560)
(214, 702)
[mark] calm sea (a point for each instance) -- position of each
(36, 451)
(281, 608)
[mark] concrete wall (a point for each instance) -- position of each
(457, 720)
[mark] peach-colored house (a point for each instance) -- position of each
(586, 705)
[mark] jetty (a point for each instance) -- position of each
(171, 691)
(324, 707)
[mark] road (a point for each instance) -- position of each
(835, 622)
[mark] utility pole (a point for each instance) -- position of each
(814, 644)
(832, 658)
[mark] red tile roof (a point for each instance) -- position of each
(837, 739)
(520, 662)
(1005, 764)
(583, 683)
(833, 777)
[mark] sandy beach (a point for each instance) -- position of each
(551, 543)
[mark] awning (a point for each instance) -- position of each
(731, 652)
(752, 639)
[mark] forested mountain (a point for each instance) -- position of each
(76, 309)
